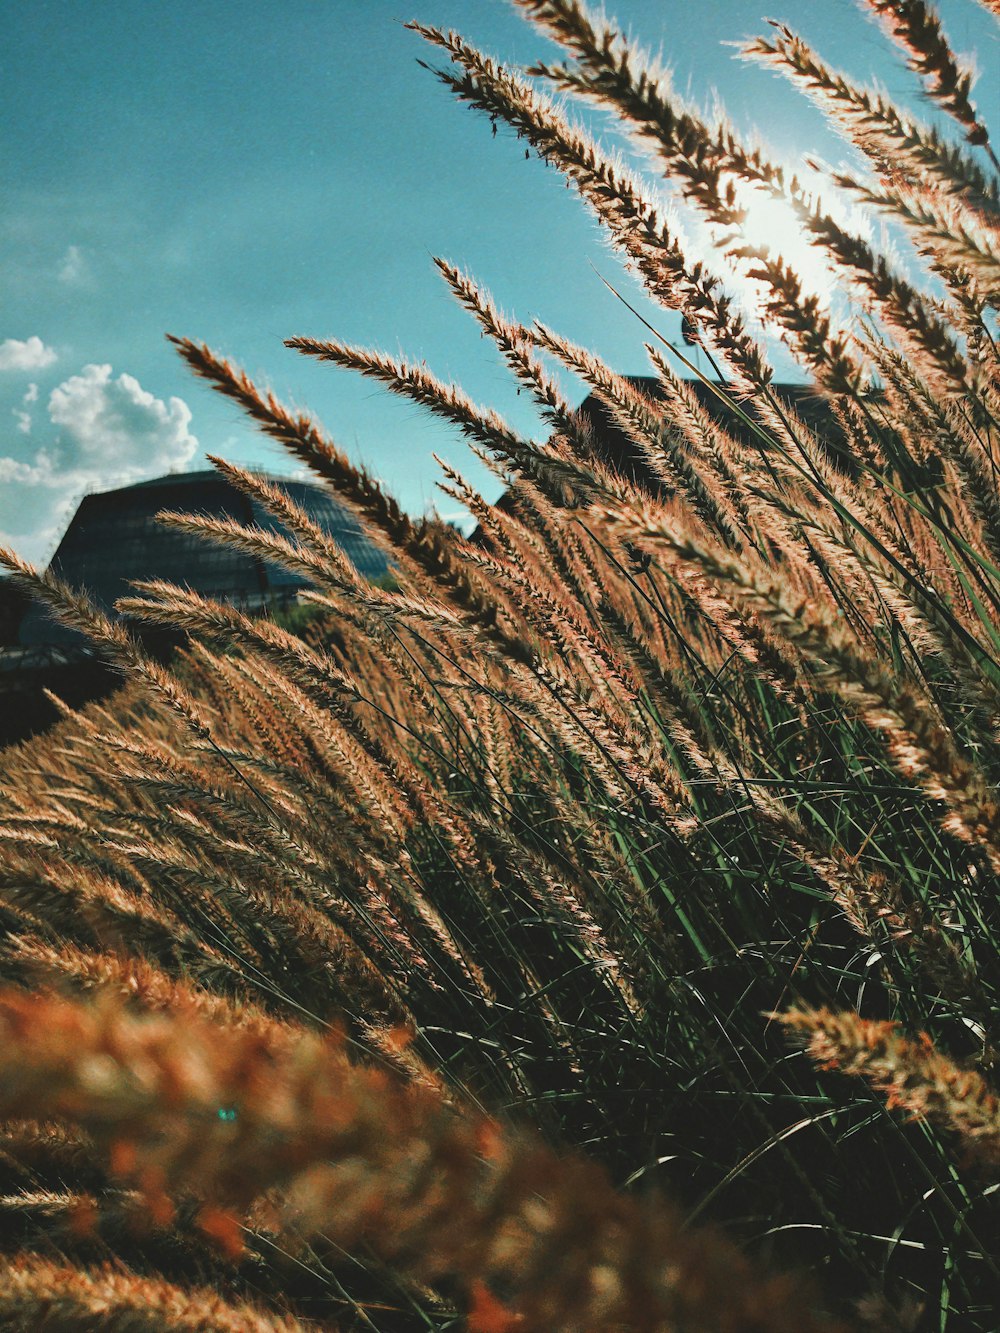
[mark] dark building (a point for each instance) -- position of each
(114, 538)
(14, 602)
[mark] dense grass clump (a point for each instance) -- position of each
(600, 921)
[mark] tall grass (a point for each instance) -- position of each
(391, 973)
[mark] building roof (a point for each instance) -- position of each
(114, 538)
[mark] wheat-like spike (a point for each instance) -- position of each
(807, 331)
(727, 461)
(571, 443)
(614, 73)
(426, 547)
(637, 225)
(93, 898)
(645, 423)
(916, 28)
(38, 1292)
(703, 161)
(32, 1152)
(279, 503)
(367, 1158)
(76, 611)
(316, 671)
(920, 746)
(918, 416)
(948, 234)
(516, 345)
(483, 426)
(898, 145)
(357, 600)
(140, 981)
(260, 543)
(300, 435)
(163, 603)
(906, 313)
(387, 858)
(914, 1075)
(701, 170)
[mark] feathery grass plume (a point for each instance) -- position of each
(425, 547)
(916, 1076)
(636, 225)
(364, 1156)
(517, 346)
(949, 235)
(917, 29)
(259, 543)
(906, 314)
(483, 426)
(557, 821)
(643, 421)
(805, 328)
(706, 163)
(726, 459)
(33, 1153)
(279, 503)
(137, 981)
(38, 1292)
(919, 744)
(899, 145)
(612, 73)
(315, 670)
(78, 613)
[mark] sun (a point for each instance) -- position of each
(773, 225)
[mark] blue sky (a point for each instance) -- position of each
(243, 172)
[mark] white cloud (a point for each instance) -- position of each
(42, 472)
(73, 266)
(111, 431)
(115, 430)
(29, 354)
(23, 418)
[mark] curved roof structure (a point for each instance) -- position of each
(114, 538)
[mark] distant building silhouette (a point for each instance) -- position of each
(114, 538)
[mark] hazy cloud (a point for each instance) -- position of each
(41, 472)
(29, 354)
(73, 266)
(21, 416)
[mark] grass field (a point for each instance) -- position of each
(599, 923)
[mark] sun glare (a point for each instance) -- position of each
(772, 224)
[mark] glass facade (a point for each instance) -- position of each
(114, 538)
